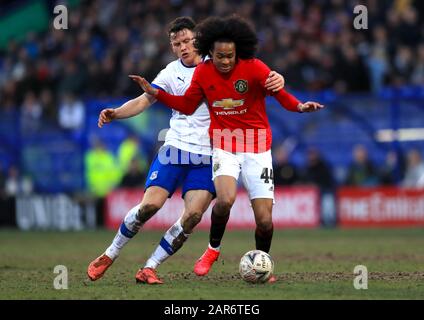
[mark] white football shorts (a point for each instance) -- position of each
(256, 170)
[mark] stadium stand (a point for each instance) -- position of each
(369, 80)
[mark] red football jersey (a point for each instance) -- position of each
(236, 103)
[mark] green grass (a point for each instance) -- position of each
(310, 264)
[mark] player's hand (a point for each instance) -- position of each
(106, 116)
(145, 85)
(275, 82)
(309, 106)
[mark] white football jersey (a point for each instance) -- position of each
(188, 133)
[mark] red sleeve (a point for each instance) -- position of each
(262, 72)
(287, 100)
(187, 103)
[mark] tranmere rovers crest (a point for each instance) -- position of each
(241, 86)
(154, 175)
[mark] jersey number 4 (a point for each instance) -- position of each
(267, 174)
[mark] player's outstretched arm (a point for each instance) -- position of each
(275, 82)
(106, 116)
(291, 103)
(145, 85)
(129, 109)
(310, 106)
(186, 104)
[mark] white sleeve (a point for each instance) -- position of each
(162, 81)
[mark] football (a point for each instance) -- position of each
(256, 266)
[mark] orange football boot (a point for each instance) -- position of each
(97, 268)
(147, 275)
(205, 262)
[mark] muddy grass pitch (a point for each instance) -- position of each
(309, 264)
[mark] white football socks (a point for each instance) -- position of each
(165, 249)
(128, 229)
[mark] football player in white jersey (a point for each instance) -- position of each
(184, 159)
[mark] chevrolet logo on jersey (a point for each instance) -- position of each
(228, 103)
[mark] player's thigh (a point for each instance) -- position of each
(226, 170)
(198, 192)
(262, 209)
(155, 196)
(197, 201)
(226, 190)
(257, 175)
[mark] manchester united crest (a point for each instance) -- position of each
(241, 86)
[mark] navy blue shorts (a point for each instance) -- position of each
(173, 167)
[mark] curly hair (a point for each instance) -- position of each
(229, 29)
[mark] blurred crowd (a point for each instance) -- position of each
(312, 43)
(128, 168)
(405, 172)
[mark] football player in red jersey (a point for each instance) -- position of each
(185, 139)
(232, 82)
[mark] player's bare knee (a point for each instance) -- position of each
(193, 218)
(264, 225)
(146, 211)
(223, 206)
